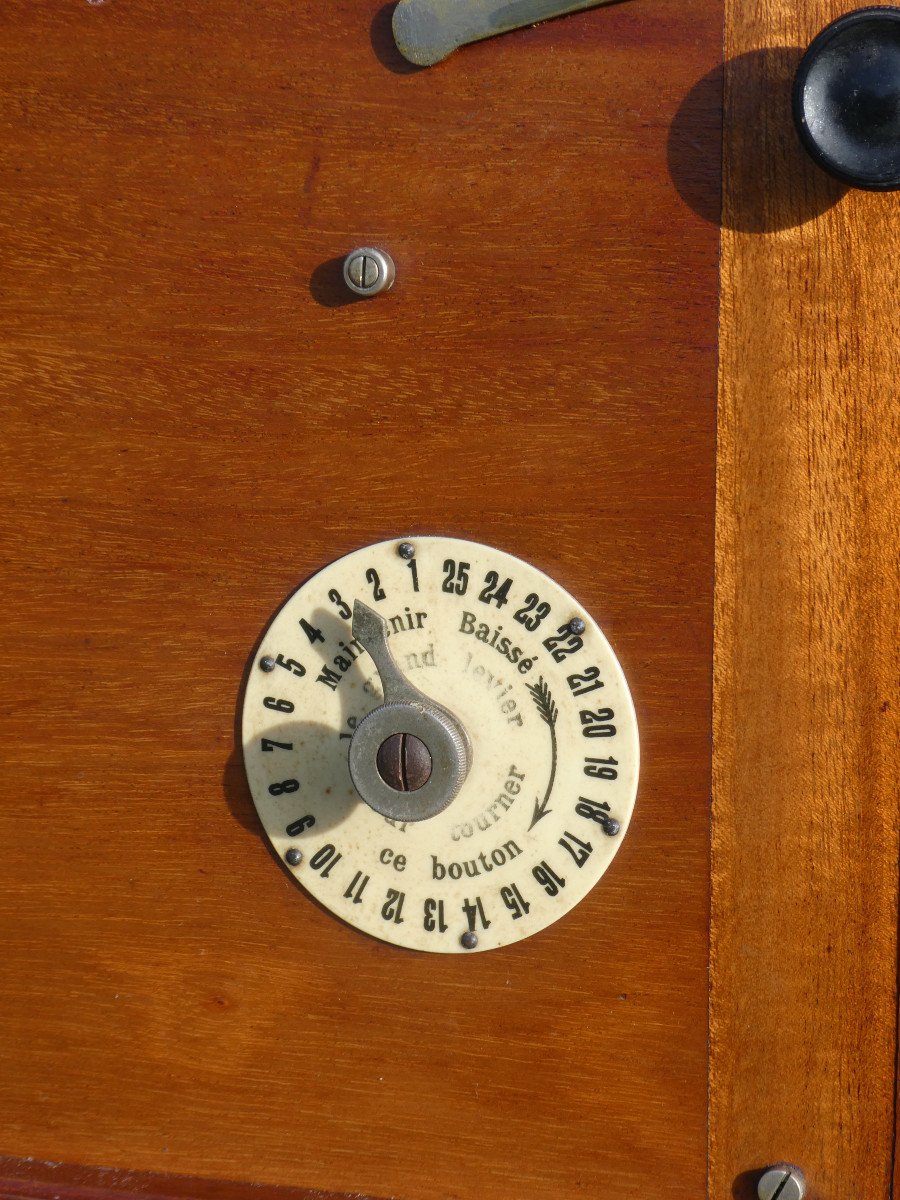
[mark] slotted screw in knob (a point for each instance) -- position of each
(368, 271)
(404, 762)
(782, 1182)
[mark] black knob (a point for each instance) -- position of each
(847, 98)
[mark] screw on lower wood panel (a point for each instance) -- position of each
(783, 1181)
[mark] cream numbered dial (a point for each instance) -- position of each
(440, 743)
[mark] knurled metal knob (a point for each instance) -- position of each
(444, 746)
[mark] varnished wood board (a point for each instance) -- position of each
(805, 818)
(31, 1179)
(197, 420)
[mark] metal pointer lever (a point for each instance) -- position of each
(406, 713)
(427, 31)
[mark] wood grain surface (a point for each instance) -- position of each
(805, 837)
(196, 418)
(31, 1179)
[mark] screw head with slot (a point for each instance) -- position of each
(783, 1181)
(368, 271)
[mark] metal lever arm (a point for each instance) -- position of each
(370, 630)
(426, 31)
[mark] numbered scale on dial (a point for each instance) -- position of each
(441, 744)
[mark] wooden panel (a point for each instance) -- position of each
(27, 1179)
(198, 419)
(805, 798)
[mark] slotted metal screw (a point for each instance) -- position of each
(368, 271)
(783, 1181)
(403, 762)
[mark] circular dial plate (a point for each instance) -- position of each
(547, 711)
